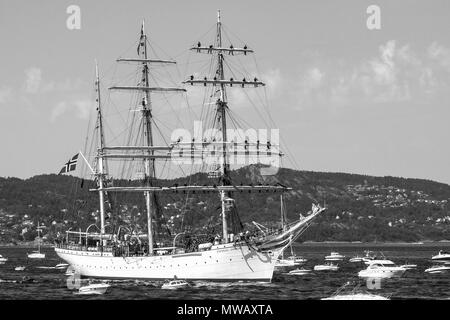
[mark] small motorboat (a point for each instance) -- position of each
(36, 255)
(442, 256)
(438, 269)
(175, 284)
(385, 262)
(290, 261)
(19, 268)
(356, 259)
(356, 294)
(96, 288)
(367, 257)
(334, 256)
(3, 259)
(379, 270)
(330, 266)
(61, 266)
(300, 272)
(409, 266)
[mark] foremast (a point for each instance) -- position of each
(100, 164)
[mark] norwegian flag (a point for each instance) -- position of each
(141, 40)
(70, 165)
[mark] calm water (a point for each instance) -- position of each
(415, 284)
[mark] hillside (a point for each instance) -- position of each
(360, 208)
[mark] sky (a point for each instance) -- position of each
(345, 98)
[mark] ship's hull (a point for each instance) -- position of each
(228, 262)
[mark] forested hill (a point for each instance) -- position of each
(360, 208)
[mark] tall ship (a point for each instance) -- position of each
(228, 252)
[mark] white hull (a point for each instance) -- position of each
(382, 273)
(36, 256)
(228, 262)
(438, 269)
(300, 272)
(358, 296)
(94, 289)
(326, 268)
(289, 262)
(334, 259)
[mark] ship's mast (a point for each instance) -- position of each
(221, 114)
(147, 118)
(149, 163)
(100, 164)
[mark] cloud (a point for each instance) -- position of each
(35, 83)
(84, 108)
(5, 94)
(440, 54)
(58, 110)
(33, 80)
(397, 73)
(80, 108)
(309, 86)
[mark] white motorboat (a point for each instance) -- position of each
(281, 263)
(37, 254)
(334, 256)
(175, 284)
(290, 261)
(356, 296)
(19, 268)
(367, 257)
(326, 267)
(97, 288)
(385, 262)
(300, 272)
(379, 270)
(438, 269)
(409, 266)
(297, 259)
(356, 259)
(61, 266)
(3, 259)
(442, 256)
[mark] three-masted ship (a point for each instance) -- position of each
(228, 256)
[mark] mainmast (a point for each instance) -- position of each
(221, 107)
(222, 120)
(149, 163)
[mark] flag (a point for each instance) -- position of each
(141, 40)
(70, 165)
